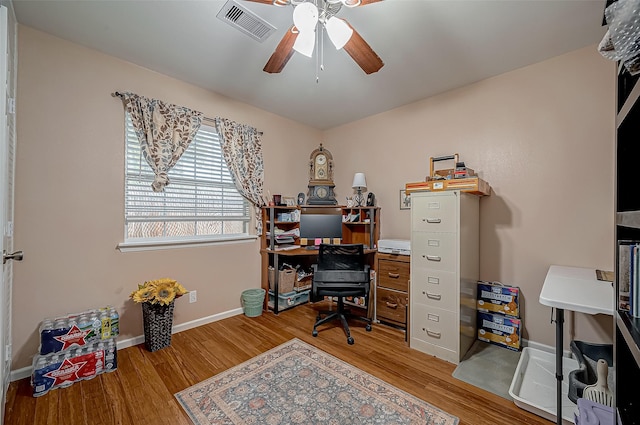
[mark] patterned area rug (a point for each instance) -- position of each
(296, 383)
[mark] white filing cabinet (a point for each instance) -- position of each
(444, 272)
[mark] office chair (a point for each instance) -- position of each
(340, 272)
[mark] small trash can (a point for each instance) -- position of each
(252, 301)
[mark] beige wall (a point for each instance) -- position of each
(69, 191)
(542, 136)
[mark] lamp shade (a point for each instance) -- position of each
(339, 32)
(305, 17)
(359, 181)
(305, 42)
(351, 3)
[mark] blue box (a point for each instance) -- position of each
(500, 330)
(497, 298)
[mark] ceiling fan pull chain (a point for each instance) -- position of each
(319, 54)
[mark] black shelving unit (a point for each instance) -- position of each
(627, 328)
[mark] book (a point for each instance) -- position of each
(624, 274)
(605, 276)
(634, 286)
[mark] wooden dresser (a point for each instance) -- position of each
(392, 288)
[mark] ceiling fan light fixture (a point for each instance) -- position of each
(339, 32)
(305, 42)
(305, 17)
(351, 3)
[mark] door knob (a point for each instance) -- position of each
(15, 256)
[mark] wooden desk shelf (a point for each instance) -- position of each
(365, 230)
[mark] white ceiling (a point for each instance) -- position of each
(428, 47)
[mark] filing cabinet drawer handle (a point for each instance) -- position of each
(394, 275)
(434, 296)
(434, 334)
(433, 257)
(434, 220)
(392, 305)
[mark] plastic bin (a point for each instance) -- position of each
(252, 301)
(587, 355)
(289, 299)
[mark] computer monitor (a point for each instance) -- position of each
(321, 223)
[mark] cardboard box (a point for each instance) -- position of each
(500, 330)
(498, 298)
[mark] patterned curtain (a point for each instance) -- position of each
(242, 150)
(164, 131)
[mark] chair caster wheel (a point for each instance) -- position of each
(314, 333)
(350, 341)
(368, 327)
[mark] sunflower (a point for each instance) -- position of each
(165, 292)
(143, 295)
(160, 291)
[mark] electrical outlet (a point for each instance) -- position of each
(193, 296)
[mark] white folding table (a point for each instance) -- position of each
(575, 289)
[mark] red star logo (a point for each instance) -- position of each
(67, 372)
(74, 336)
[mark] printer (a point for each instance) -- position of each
(394, 246)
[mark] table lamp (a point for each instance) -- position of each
(359, 183)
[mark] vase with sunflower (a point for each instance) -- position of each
(158, 298)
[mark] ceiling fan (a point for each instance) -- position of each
(308, 15)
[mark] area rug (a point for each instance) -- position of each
(296, 383)
(489, 367)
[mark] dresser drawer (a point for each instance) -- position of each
(435, 326)
(434, 212)
(434, 250)
(391, 306)
(393, 274)
(435, 288)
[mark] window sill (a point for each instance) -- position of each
(153, 245)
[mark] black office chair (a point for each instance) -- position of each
(341, 272)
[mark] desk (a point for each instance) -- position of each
(301, 253)
(575, 289)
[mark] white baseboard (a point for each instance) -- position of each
(25, 372)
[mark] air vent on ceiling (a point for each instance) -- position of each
(245, 20)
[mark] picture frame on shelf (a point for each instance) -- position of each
(289, 201)
(405, 200)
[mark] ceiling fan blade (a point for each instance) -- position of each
(282, 54)
(362, 53)
(271, 1)
(366, 2)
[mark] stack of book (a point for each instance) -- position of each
(629, 277)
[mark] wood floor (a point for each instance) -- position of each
(141, 391)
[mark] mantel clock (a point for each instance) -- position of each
(321, 178)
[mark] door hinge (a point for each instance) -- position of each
(8, 231)
(11, 105)
(7, 352)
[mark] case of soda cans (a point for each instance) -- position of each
(75, 347)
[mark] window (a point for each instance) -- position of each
(200, 202)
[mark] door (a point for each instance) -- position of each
(7, 149)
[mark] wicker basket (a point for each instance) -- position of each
(286, 279)
(158, 323)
